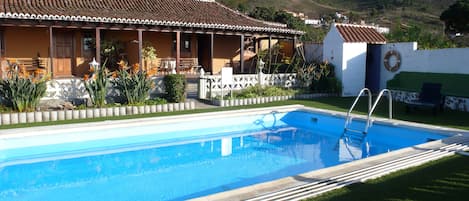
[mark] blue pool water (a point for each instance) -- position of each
(185, 160)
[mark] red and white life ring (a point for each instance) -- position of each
(387, 60)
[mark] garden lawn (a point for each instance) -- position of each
(445, 179)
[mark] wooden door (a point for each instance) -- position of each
(64, 54)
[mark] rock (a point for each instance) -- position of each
(68, 106)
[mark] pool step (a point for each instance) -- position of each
(320, 186)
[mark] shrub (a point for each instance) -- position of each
(156, 101)
(260, 91)
(327, 85)
(22, 92)
(96, 85)
(175, 86)
(134, 86)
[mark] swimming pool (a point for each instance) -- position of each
(183, 158)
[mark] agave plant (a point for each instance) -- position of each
(134, 86)
(96, 85)
(22, 93)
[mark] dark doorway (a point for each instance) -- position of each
(204, 51)
(373, 63)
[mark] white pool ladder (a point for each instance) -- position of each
(348, 119)
(370, 112)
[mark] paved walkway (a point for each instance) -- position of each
(200, 104)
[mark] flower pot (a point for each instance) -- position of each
(96, 112)
(236, 102)
(83, 114)
(75, 114)
(176, 106)
(30, 117)
(61, 115)
(153, 108)
(14, 118)
(181, 106)
(122, 111)
(116, 111)
(53, 116)
(128, 110)
(232, 103)
(68, 114)
(141, 109)
(109, 111)
(146, 109)
(159, 108)
(89, 113)
(165, 108)
(6, 119)
(38, 116)
(192, 103)
(22, 118)
(103, 112)
(134, 110)
(170, 107)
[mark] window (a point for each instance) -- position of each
(185, 42)
(88, 44)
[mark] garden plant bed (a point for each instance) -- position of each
(60, 115)
(261, 100)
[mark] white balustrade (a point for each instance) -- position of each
(211, 86)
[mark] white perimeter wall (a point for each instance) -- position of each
(451, 60)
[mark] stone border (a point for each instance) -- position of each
(60, 115)
(260, 100)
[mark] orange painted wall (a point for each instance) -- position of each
(26, 42)
(225, 51)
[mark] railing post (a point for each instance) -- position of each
(202, 87)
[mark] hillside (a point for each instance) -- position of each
(390, 13)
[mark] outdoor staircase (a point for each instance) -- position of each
(192, 87)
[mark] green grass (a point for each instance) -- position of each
(447, 118)
(444, 179)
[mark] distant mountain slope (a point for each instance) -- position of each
(424, 13)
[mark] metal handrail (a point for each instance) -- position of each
(370, 112)
(348, 118)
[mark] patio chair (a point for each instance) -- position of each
(430, 97)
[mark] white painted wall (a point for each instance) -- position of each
(333, 50)
(349, 60)
(353, 68)
(450, 60)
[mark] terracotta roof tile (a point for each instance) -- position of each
(357, 33)
(189, 13)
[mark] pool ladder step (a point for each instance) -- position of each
(320, 186)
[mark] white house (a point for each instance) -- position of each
(345, 46)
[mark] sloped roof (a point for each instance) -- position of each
(181, 13)
(358, 33)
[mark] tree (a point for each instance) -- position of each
(456, 17)
(263, 13)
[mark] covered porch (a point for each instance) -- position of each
(64, 50)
